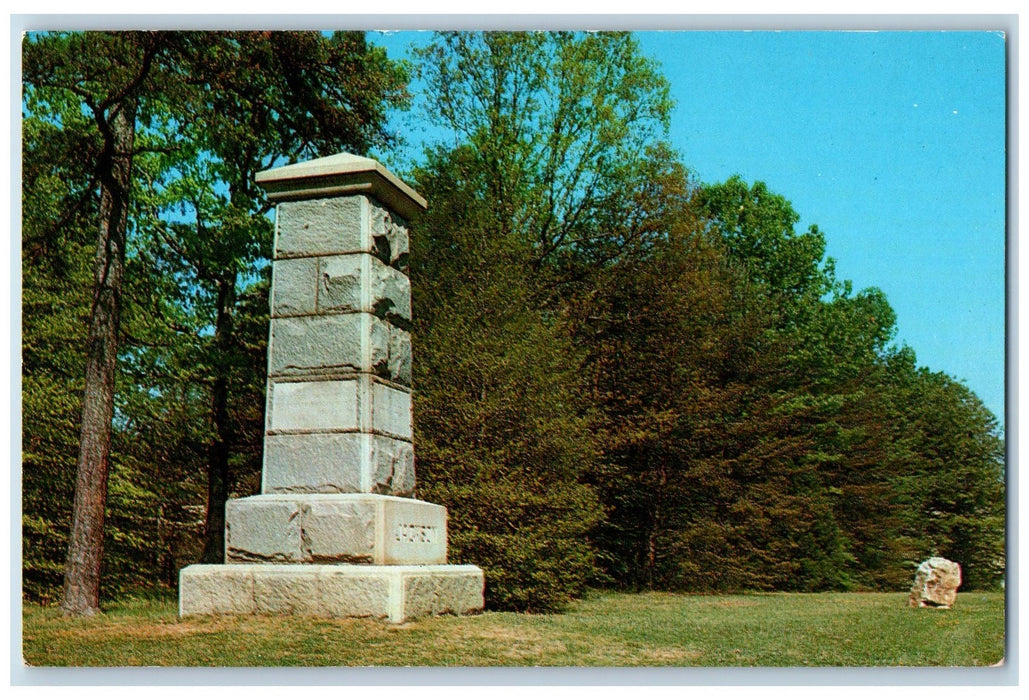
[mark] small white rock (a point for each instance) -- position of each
(936, 584)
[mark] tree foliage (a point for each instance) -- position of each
(558, 123)
(552, 131)
(257, 98)
(212, 109)
(499, 432)
(953, 488)
(759, 421)
(757, 228)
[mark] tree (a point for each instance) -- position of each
(256, 98)
(501, 439)
(708, 478)
(953, 488)
(752, 425)
(108, 74)
(558, 124)
(757, 228)
(58, 223)
(763, 442)
(186, 118)
(534, 193)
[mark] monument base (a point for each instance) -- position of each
(397, 593)
(340, 528)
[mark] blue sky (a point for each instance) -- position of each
(893, 142)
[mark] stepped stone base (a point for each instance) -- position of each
(347, 528)
(397, 593)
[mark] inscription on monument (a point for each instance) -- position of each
(418, 534)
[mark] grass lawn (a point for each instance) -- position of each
(652, 629)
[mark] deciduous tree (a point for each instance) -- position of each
(535, 191)
(107, 73)
(255, 99)
(178, 124)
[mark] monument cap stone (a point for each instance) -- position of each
(341, 175)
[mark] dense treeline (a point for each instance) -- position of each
(623, 376)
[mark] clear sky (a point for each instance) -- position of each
(893, 142)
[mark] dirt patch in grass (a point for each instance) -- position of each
(509, 635)
(519, 643)
(672, 655)
(733, 603)
(147, 630)
(615, 655)
(175, 629)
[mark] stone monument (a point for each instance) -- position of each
(336, 531)
(936, 584)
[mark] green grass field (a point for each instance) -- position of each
(653, 629)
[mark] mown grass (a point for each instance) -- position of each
(653, 629)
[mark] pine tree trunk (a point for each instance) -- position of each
(218, 453)
(85, 545)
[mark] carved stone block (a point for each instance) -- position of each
(337, 463)
(361, 282)
(329, 528)
(360, 403)
(327, 226)
(294, 286)
(396, 593)
(344, 343)
(335, 532)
